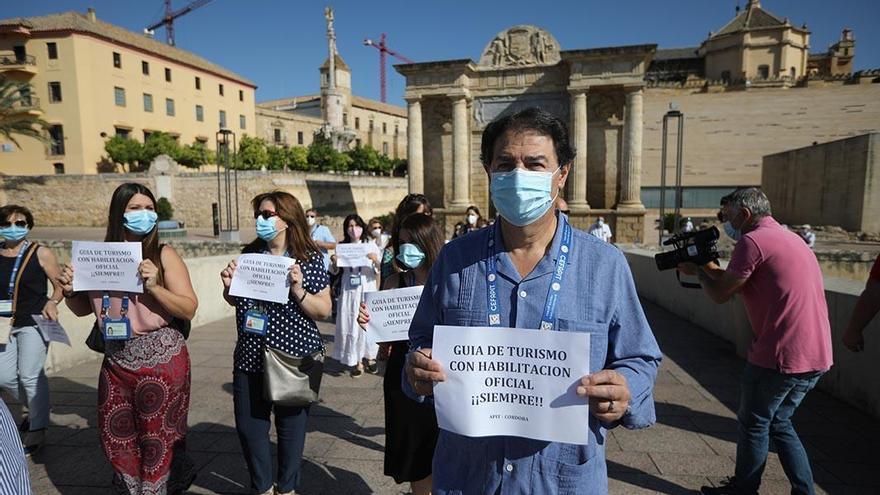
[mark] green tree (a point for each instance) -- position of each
(195, 155)
(124, 151)
(159, 143)
(252, 153)
(277, 158)
(298, 158)
(365, 158)
(323, 157)
(15, 100)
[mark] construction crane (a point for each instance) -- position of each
(170, 15)
(383, 50)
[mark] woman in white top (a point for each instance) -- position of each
(351, 347)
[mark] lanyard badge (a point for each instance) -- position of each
(255, 322)
(6, 303)
(115, 328)
(548, 317)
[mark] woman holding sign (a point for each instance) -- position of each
(410, 427)
(144, 386)
(25, 269)
(289, 327)
(360, 273)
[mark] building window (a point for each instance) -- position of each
(55, 92)
(357, 142)
(385, 148)
(299, 137)
(220, 86)
(396, 130)
(145, 68)
(200, 113)
(56, 134)
(198, 82)
(242, 122)
(763, 71)
(345, 119)
(167, 74)
(117, 60)
(52, 47)
(222, 119)
(123, 132)
(148, 102)
(59, 168)
(384, 128)
(147, 135)
(119, 96)
(169, 107)
(357, 122)
(277, 135)
(240, 95)
(793, 73)
(372, 125)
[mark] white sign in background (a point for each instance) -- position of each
(354, 254)
(52, 330)
(391, 312)
(514, 382)
(262, 277)
(106, 266)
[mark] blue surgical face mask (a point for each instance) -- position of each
(140, 222)
(732, 232)
(522, 196)
(266, 228)
(14, 233)
(411, 255)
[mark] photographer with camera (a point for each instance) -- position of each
(781, 285)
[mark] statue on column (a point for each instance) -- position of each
(333, 130)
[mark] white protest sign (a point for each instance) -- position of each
(515, 382)
(263, 277)
(106, 266)
(52, 330)
(391, 311)
(353, 254)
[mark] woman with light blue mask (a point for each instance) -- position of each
(144, 385)
(25, 269)
(410, 427)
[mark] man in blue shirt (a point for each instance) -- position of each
(528, 158)
(321, 235)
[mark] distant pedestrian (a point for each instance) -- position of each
(411, 203)
(807, 234)
(321, 235)
(688, 225)
(473, 221)
(25, 270)
(601, 230)
(377, 232)
(351, 346)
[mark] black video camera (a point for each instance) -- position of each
(698, 247)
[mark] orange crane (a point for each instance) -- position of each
(170, 15)
(383, 50)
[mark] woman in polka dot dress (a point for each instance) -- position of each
(281, 231)
(351, 347)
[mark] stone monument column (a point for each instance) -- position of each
(460, 153)
(577, 198)
(631, 172)
(415, 160)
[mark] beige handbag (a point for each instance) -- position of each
(289, 380)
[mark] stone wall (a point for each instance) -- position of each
(727, 134)
(836, 183)
(82, 200)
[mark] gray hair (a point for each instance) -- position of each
(752, 198)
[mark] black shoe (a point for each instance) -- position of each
(372, 367)
(33, 440)
(727, 487)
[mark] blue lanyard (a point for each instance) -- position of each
(15, 268)
(105, 306)
(548, 318)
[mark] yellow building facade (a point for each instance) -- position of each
(91, 80)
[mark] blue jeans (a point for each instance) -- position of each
(768, 400)
(21, 369)
(252, 414)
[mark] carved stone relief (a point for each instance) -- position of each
(487, 108)
(605, 107)
(520, 46)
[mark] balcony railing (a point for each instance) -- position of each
(27, 103)
(7, 60)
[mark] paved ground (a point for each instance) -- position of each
(692, 444)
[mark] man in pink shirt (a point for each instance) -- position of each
(781, 286)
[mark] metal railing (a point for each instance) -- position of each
(27, 103)
(17, 60)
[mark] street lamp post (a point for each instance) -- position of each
(227, 187)
(673, 113)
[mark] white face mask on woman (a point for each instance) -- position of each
(472, 219)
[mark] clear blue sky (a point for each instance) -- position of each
(280, 44)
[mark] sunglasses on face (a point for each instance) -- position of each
(266, 214)
(17, 223)
(311, 216)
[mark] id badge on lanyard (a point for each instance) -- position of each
(255, 321)
(115, 328)
(6, 303)
(354, 279)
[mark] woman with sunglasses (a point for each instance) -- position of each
(281, 231)
(25, 269)
(351, 347)
(144, 385)
(410, 426)
(411, 203)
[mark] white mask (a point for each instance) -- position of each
(472, 219)
(377, 233)
(310, 221)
